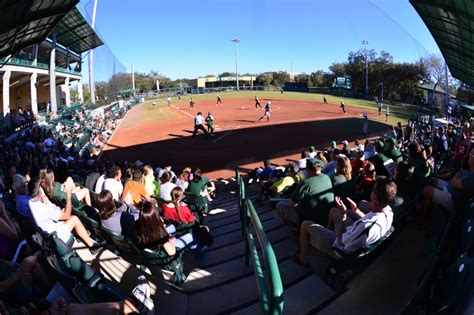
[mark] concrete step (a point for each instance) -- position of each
(237, 293)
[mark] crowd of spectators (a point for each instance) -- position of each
(344, 198)
(50, 169)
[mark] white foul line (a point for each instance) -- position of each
(225, 134)
(183, 111)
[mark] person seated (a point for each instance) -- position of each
(311, 199)
(50, 218)
(348, 235)
(27, 284)
(120, 220)
(365, 186)
(198, 192)
(404, 180)
(176, 210)
(57, 190)
(166, 186)
(273, 188)
(346, 149)
(183, 180)
(9, 232)
(379, 159)
(343, 183)
(148, 180)
(449, 194)
(134, 192)
(266, 172)
(113, 182)
(151, 232)
(305, 154)
(391, 152)
(421, 171)
(330, 168)
(168, 167)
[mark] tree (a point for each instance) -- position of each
(227, 74)
(436, 70)
(265, 78)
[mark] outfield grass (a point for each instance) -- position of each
(397, 112)
(159, 112)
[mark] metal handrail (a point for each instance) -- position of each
(269, 283)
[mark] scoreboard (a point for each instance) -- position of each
(344, 82)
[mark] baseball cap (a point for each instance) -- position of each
(345, 142)
(333, 144)
(315, 162)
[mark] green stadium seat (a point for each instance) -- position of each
(152, 258)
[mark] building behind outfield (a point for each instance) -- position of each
(212, 82)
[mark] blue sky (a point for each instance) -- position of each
(184, 38)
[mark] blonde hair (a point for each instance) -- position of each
(369, 170)
(147, 169)
(344, 167)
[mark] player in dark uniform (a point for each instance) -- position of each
(210, 123)
(191, 103)
(266, 114)
(325, 100)
(343, 107)
(219, 101)
(257, 103)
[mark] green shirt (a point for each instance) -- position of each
(209, 120)
(343, 188)
(314, 197)
(195, 187)
(394, 154)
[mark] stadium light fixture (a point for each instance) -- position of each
(365, 43)
(236, 41)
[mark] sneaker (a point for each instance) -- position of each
(141, 293)
(97, 247)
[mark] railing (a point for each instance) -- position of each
(269, 285)
(18, 61)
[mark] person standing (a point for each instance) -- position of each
(198, 121)
(343, 107)
(219, 100)
(387, 113)
(257, 103)
(210, 123)
(365, 127)
(379, 108)
(325, 100)
(169, 101)
(191, 103)
(266, 114)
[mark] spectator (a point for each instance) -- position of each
(391, 152)
(57, 190)
(152, 233)
(50, 218)
(449, 194)
(391, 133)
(346, 149)
(176, 210)
(305, 155)
(120, 220)
(266, 172)
(166, 186)
(421, 170)
(379, 159)
(343, 184)
(113, 183)
(183, 180)
(168, 168)
(400, 133)
(134, 192)
(330, 168)
(348, 236)
(282, 184)
(148, 180)
(440, 143)
(92, 177)
(9, 231)
(404, 180)
(312, 152)
(311, 200)
(198, 192)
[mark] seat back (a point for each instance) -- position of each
(124, 246)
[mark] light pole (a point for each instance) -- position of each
(236, 41)
(365, 43)
(291, 72)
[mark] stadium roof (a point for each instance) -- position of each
(451, 22)
(28, 22)
(75, 33)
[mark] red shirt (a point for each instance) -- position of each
(184, 213)
(366, 184)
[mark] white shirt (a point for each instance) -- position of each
(312, 155)
(165, 190)
(99, 185)
(354, 236)
(114, 186)
(46, 216)
(198, 120)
